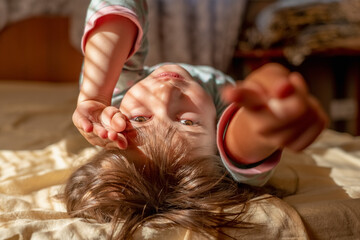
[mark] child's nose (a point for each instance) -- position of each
(168, 98)
(168, 93)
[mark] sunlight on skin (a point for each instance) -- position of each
(288, 116)
(100, 77)
(95, 72)
(162, 96)
(107, 49)
(164, 102)
(105, 54)
(101, 55)
(101, 123)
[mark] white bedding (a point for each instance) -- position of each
(39, 148)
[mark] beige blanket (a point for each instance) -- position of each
(39, 147)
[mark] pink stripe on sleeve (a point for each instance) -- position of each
(266, 166)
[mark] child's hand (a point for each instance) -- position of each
(277, 108)
(101, 125)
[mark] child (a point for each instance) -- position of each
(166, 124)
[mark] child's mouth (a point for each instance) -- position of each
(170, 75)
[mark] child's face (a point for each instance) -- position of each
(169, 97)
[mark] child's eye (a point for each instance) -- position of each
(186, 122)
(140, 119)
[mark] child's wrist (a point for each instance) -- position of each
(253, 159)
(246, 164)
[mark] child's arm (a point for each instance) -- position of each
(276, 111)
(107, 48)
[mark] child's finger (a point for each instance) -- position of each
(301, 129)
(291, 101)
(286, 132)
(106, 116)
(82, 122)
(277, 108)
(122, 141)
(244, 96)
(118, 122)
(85, 124)
(119, 138)
(112, 135)
(284, 89)
(298, 81)
(270, 76)
(100, 131)
(112, 119)
(307, 137)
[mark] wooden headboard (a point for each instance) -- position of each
(39, 49)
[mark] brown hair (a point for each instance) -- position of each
(163, 188)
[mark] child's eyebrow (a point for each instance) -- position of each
(142, 128)
(149, 128)
(192, 132)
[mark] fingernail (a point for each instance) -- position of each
(276, 108)
(122, 142)
(285, 89)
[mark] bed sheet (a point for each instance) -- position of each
(40, 147)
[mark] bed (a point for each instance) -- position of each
(40, 147)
